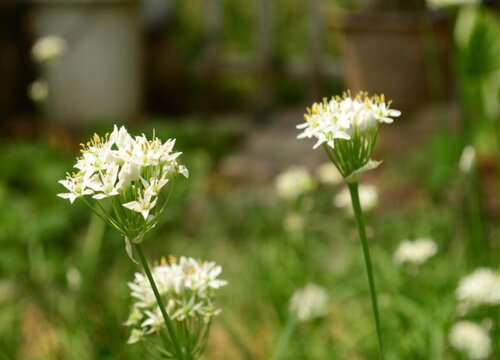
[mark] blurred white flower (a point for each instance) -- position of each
(310, 302)
(293, 182)
(482, 287)
(368, 197)
(415, 252)
(188, 288)
(327, 173)
(467, 159)
(470, 339)
(38, 91)
(48, 48)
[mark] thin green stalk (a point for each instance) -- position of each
(161, 305)
(353, 189)
(285, 338)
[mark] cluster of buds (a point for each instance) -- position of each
(347, 128)
(188, 288)
(126, 176)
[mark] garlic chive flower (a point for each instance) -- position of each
(310, 303)
(347, 129)
(124, 179)
(415, 252)
(470, 339)
(480, 288)
(188, 289)
(294, 182)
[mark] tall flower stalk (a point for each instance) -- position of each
(123, 179)
(347, 127)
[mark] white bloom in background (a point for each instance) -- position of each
(470, 339)
(467, 159)
(327, 173)
(188, 288)
(347, 127)
(482, 287)
(415, 252)
(49, 48)
(293, 183)
(368, 197)
(310, 302)
(38, 91)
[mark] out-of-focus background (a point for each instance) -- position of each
(230, 79)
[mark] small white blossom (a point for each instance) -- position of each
(415, 252)
(293, 183)
(470, 339)
(482, 287)
(38, 91)
(143, 205)
(467, 159)
(49, 48)
(188, 288)
(310, 303)
(368, 197)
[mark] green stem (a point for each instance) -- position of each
(353, 189)
(161, 305)
(285, 338)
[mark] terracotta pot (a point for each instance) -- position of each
(98, 76)
(401, 54)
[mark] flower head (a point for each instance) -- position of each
(49, 48)
(131, 173)
(347, 128)
(310, 303)
(482, 287)
(415, 252)
(467, 159)
(293, 183)
(187, 287)
(471, 339)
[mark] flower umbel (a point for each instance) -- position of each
(482, 287)
(347, 129)
(188, 288)
(415, 252)
(310, 303)
(126, 177)
(471, 339)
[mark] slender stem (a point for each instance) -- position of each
(285, 338)
(353, 189)
(161, 305)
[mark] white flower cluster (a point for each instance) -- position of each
(471, 339)
(415, 252)
(310, 302)
(342, 117)
(294, 182)
(482, 287)
(49, 48)
(129, 171)
(188, 289)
